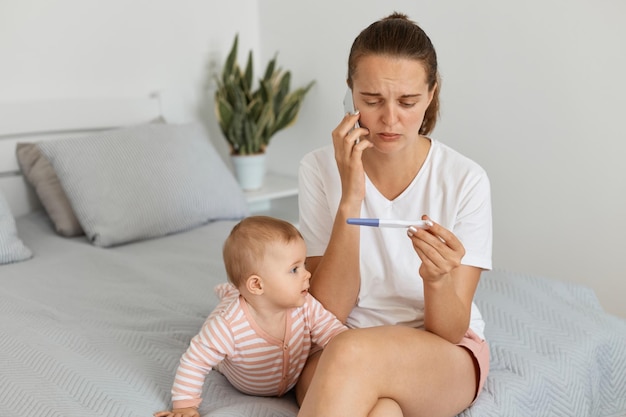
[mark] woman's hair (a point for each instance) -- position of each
(397, 36)
(245, 247)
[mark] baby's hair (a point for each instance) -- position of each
(245, 247)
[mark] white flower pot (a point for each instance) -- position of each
(249, 170)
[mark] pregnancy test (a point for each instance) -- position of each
(422, 224)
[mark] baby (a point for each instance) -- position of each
(260, 334)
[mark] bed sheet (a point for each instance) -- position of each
(554, 350)
(86, 331)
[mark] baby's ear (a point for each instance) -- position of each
(254, 284)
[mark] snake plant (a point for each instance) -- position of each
(249, 118)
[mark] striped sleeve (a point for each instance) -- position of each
(206, 350)
(324, 324)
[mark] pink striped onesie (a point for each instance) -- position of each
(253, 361)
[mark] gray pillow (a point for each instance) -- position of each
(40, 174)
(144, 181)
(12, 249)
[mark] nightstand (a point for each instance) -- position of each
(277, 198)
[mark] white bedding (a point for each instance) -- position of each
(87, 331)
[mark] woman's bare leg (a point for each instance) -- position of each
(385, 407)
(419, 371)
(304, 381)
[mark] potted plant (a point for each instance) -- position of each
(249, 117)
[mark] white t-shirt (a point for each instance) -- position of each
(450, 188)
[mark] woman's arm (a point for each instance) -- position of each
(448, 303)
(335, 280)
(449, 287)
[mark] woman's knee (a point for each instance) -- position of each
(348, 347)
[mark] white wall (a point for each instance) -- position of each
(534, 91)
(122, 48)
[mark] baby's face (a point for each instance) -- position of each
(285, 277)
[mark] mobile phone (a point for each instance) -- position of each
(348, 106)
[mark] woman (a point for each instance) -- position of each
(417, 346)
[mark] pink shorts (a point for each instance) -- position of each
(480, 351)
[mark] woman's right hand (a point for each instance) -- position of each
(341, 257)
(348, 155)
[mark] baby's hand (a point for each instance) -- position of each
(179, 412)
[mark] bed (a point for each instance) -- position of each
(95, 312)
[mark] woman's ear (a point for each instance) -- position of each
(431, 93)
(254, 284)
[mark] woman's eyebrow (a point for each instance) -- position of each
(403, 96)
(366, 94)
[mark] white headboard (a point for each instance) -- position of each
(28, 121)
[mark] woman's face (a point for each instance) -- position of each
(392, 96)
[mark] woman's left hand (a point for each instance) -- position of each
(438, 248)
